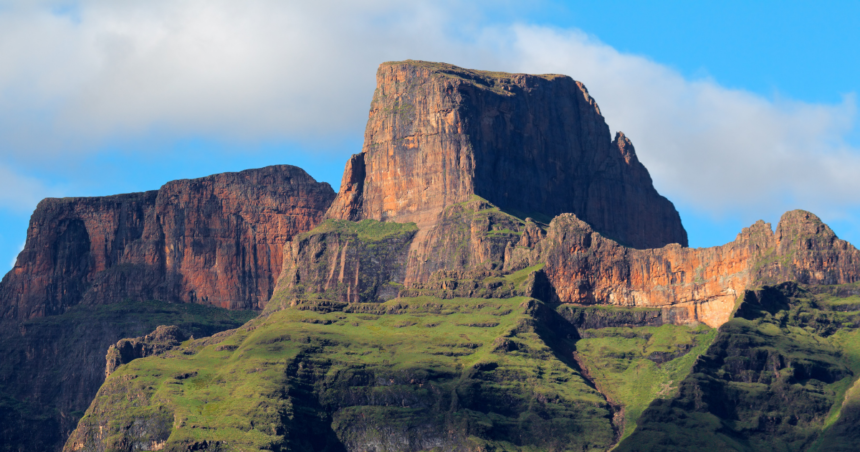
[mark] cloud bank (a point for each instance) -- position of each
(76, 76)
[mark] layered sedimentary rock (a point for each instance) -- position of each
(346, 262)
(586, 268)
(533, 145)
(216, 240)
(474, 249)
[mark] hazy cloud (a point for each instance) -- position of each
(720, 149)
(71, 79)
(21, 193)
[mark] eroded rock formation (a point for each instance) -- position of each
(534, 145)
(216, 240)
(586, 268)
(164, 338)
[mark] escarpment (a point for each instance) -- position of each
(504, 172)
(495, 273)
(586, 268)
(476, 250)
(533, 145)
(216, 240)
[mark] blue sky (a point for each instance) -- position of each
(740, 110)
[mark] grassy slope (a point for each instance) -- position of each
(406, 374)
(775, 377)
(50, 368)
(618, 361)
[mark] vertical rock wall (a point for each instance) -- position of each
(216, 240)
(586, 268)
(532, 145)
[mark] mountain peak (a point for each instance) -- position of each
(534, 145)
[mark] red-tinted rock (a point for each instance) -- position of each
(69, 241)
(586, 268)
(215, 240)
(533, 145)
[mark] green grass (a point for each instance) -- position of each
(517, 278)
(781, 375)
(496, 373)
(617, 360)
(365, 230)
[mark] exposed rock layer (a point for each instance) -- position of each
(586, 268)
(476, 250)
(164, 338)
(533, 145)
(216, 240)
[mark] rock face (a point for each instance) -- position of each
(164, 338)
(217, 240)
(586, 268)
(531, 145)
(346, 262)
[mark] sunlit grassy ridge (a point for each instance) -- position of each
(778, 376)
(626, 363)
(52, 366)
(468, 372)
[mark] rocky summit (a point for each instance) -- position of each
(496, 273)
(533, 145)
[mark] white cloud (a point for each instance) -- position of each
(719, 149)
(304, 71)
(247, 70)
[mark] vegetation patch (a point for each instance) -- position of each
(351, 380)
(778, 376)
(52, 367)
(634, 366)
(366, 230)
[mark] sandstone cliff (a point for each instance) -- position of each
(476, 250)
(586, 268)
(216, 240)
(533, 145)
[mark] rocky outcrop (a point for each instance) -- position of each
(586, 268)
(533, 145)
(346, 262)
(216, 240)
(164, 338)
(51, 367)
(475, 250)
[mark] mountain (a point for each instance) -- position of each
(533, 145)
(215, 240)
(496, 273)
(96, 270)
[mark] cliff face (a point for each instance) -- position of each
(345, 262)
(217, 240)
(69, 241)
(586, 268)
(531, 145)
